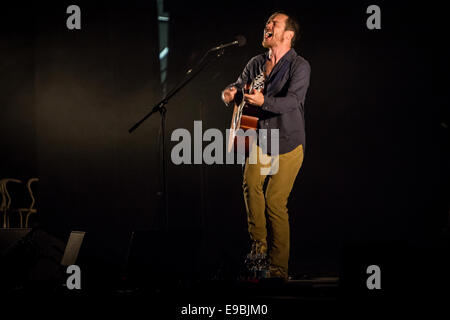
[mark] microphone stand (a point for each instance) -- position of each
(161, 108)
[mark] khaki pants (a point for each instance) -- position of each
(273, 202)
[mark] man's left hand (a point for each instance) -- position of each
(255, 98)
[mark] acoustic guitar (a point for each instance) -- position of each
(245, 117)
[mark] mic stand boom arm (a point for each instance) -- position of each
(160, 107)
(191, 73)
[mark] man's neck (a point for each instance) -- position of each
(275, 54)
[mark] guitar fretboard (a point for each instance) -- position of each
(258, 82)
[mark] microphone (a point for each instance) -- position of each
(240, 41)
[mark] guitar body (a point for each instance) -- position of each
(245, 117)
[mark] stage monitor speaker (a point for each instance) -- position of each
(37, 260)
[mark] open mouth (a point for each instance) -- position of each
(268, 34)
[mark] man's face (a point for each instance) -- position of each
(274, 31)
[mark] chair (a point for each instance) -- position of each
(6, 199)
(31, 209)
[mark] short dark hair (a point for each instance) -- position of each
(291, 25)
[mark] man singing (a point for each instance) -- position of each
(286, 80)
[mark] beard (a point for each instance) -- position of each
(266, 42)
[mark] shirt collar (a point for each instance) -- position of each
(289, 56)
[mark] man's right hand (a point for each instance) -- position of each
(228, 94)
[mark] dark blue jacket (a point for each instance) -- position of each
(284, 97)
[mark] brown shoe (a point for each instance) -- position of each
(277, 272)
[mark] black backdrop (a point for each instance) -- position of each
(375, 168)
